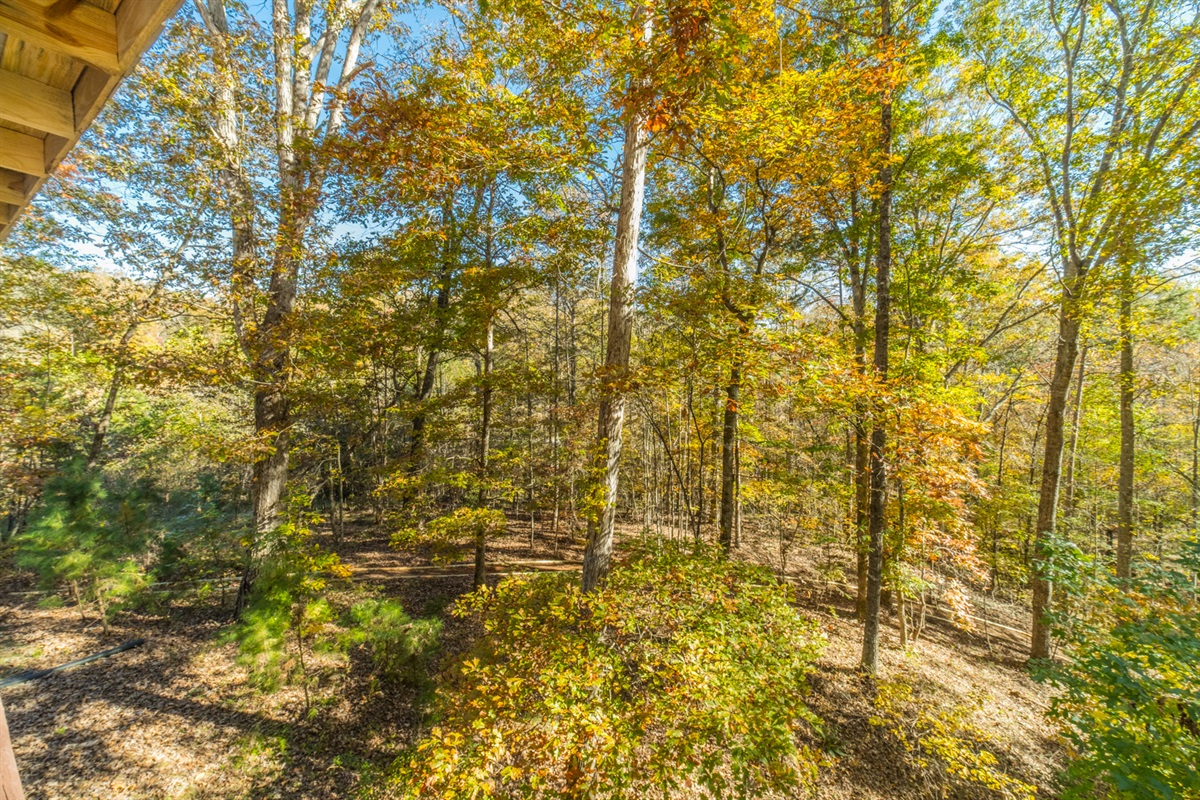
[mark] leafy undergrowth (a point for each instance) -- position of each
(180, 717)
(943, 739)
(1129, 699)
(685, 673)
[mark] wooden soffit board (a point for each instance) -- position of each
(60, 61)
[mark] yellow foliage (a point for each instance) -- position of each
(943, 738)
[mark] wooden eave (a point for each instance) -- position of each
(60, 61)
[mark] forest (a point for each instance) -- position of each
(598, 399)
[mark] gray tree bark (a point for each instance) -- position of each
(485, 441)
(883, 267)
(597, 557)
(300, 102)
(1066, 351)
(1125, 474)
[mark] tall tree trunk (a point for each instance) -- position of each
(737, 489)
(1076, 419)
(1066, 352)
(572, 353)
(701, 444)
(862, 501)
(416, 447)
(883, 268)
(1196, 468)
(728, 458)
(301, 107)
(1125, 476)
(100, 430)
(485, 440)
(995, 582)
(901, 610)
(272, 423)
(862, 451)
(597, 557)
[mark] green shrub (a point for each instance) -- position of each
(684, 675)
(201, 535)
(91, 540)
(399, 646)
(288, 628)
(1129, 700)
(303, 617)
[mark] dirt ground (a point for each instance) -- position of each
(178, 718)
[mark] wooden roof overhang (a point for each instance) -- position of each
(60, 61)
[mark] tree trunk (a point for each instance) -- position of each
(339, 519)
(416, 447)
(597, 557)
(883, 268)
(1196, 469)
(1076, 418)
(272, 427)
(698, 520)
(901, 539)
(485, 441)
(862, 501)
(1047, 516)
(995, 581)
(737, 490)
(1125, 476)
(728, 459)
(301, 106)
(272, 406)
(100, 430)
(862, 471)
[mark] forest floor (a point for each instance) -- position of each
(178, 717)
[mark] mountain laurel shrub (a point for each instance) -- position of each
(684, 676)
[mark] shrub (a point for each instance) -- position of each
(399, 646)
(942, 738)
(289, 621)
(1129, 704)
(90, 540)
(302, 618)
(686, 673)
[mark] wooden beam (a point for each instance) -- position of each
(65, 114)
(91, 92)
(36, 105)
(14, 186)
(138, 24)
(10, 780)
(74, 29)
(12, 196)
(22, 152)
(55, 146)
